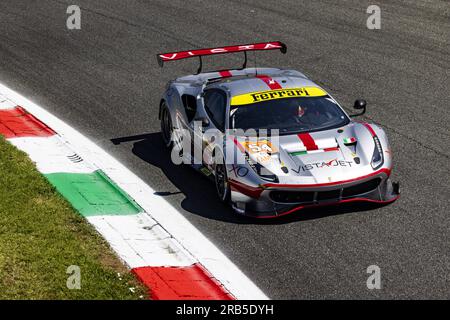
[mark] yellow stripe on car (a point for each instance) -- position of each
(254, 97)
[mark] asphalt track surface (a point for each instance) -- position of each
(104, 81)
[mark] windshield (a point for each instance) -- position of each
(289, 115)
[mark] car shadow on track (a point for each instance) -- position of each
(199, 191)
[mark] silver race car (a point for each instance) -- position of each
(272, 140)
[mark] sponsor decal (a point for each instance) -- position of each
(202, 52)
(261, 150)
(205, 171)
(323, 164)
(255, 97)
(259, 146)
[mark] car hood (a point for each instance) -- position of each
(312, 158)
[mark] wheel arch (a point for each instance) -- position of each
(161, 103)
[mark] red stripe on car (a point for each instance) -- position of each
(369, 127)
(273, 84)
(308, 141)
(238, 144)
(331, 149)
(225, 74)
(253, 192)
(329, 204)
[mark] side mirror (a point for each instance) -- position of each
(360, 104)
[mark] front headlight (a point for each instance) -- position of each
(261, 171)
(377, 157)
(265, 173)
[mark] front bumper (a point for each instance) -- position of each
(278, 200)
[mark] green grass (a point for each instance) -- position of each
(41, 236)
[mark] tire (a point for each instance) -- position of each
(166, 126)
(221, 181)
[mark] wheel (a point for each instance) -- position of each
(222, 185)
(166, 126)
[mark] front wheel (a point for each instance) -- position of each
(222, 185)
(166, 126)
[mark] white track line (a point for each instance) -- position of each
(159, 209)
(141, 241)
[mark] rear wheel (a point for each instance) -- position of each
(166, 126)
(222, 185)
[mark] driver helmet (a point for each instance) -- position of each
(301, 111)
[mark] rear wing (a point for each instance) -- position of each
(172, 56)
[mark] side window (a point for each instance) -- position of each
(215, 106)
(190, 106)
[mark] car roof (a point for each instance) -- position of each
(247, 80)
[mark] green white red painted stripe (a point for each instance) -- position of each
(299, 153)
(350, 140)
(156, 257)
(310, 145)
